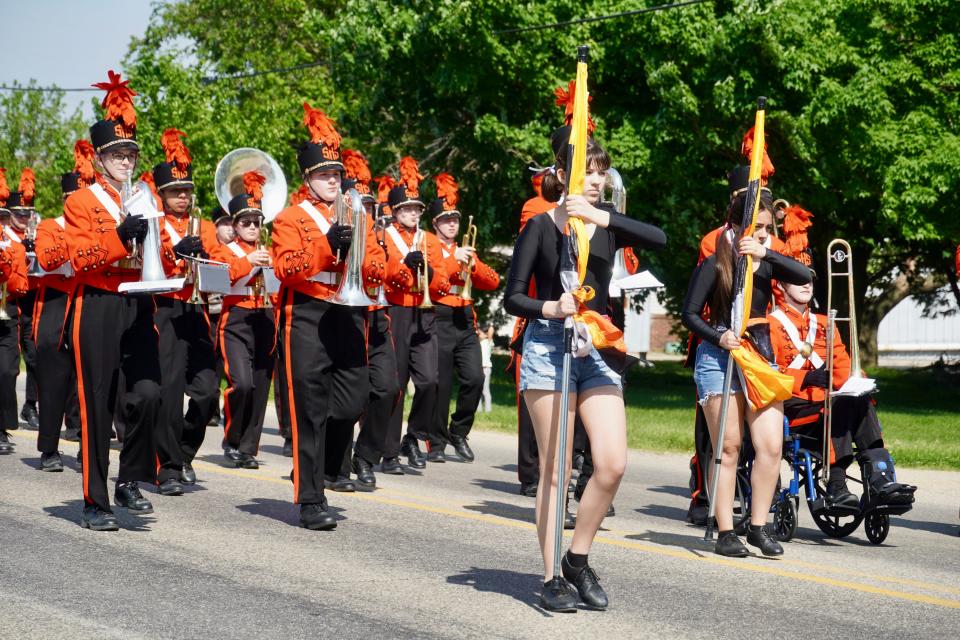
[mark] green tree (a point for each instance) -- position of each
(37, 131)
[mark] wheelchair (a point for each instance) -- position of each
(805, 465)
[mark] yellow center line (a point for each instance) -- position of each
(604, 538)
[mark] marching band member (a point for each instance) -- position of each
(323, 343)
(225, 235)
(413, 326)
(458, 344)
(799, 338)
(247, 330)
(20, 204)
(187, 361)
(13, 284)
(57, 378)
(595, 391)
(712, 284)
(111, 332)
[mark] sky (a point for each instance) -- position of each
(67, 42)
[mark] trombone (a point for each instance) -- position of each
(193, 229)
(469, 241)
(423, 274)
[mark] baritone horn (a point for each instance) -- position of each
(351, 292)
(618, 198)
(469, 241)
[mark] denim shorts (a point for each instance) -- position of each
(710, 369)
(541, 364)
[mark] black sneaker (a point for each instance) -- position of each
(128, 495)
(410, 448)
(461, 448)
(316, 517)
(170, 487)
(728, 544)
(392, 466)
(187, 474)
(29, 417)
(5, 445)
(366, 480)
(97, 519)
(51, 462)
(287, 448)
(559, 596)
(760, 538)
(587, 583)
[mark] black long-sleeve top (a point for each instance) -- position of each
(704, 279)
(537, 253)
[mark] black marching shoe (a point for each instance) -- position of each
(247, 461)
(71, 435)
(128, 495)
(170, 487)
(569, 521)
(5, 445)
(587, 583)
(187, 474)
(411, 450)
(97, 519)
(29, 417)
(462, 449)
(80, 457)
(728, 544)
(366, 480)
(287, 448)
(391, 466)
(529, 489)
(559, 596)
(214, 420)
(760, 538)
(840, 496)
(231, 454)
(436, 454)
(316, 517)
(342, 483)
(51, 462)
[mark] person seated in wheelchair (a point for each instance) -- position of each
(799, 341)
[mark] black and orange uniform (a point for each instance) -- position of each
(458, 352)
(324, 344)
(414, 329)
(246, 336)
(187, 360)
(13, 279)
(57, 378)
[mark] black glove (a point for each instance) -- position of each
(414, 260)
(189, 246)
(29, 245)
(132, 227)
(339, 237)
(815, 378)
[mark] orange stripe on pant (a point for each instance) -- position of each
(226, 371)
(291, 407)
(82, 397)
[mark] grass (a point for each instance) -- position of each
(919, 410)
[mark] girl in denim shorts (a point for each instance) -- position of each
(712, 285)
(540, 255)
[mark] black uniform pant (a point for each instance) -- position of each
(9, 367)
(855, 421)
(57, 378)
(384, 389)
(415, 340)
(111, 333)
(281, 393)
(458, 353)
(246, 339)
(326, 369)
(188, 366)
(214, 319)
(28, 346)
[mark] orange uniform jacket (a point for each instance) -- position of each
(33, 282)
(92, 241)
(787, 352)
(302, 256)
(482, 278)
(178, 267)
(13, 268)
(52, 253)
(708, 244)
(240, 267)
(400, 279)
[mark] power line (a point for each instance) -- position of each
(610, 16)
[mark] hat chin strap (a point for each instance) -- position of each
(109, 174)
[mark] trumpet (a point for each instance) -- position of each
(193, 229)
(31, 234)
(423, 274)
(258, 284)
(469, 241)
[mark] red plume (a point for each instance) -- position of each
(118, 103)
(175, 149)
(28, 181)
(4, 188)
(796, 221)
(746, 149)
(83, 161)
(410, 175)
(298, 196)
(565, 100)
(321, 128)
(384, 184)
(355, 166)
(252, 183)
(147, 176)
(447, 190)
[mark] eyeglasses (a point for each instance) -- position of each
(248, 223)
(118, 157)
(771, 229)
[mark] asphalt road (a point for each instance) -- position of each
(449, 553)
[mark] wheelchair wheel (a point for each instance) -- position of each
(785, 519)
(876, 525)
(836, 526)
